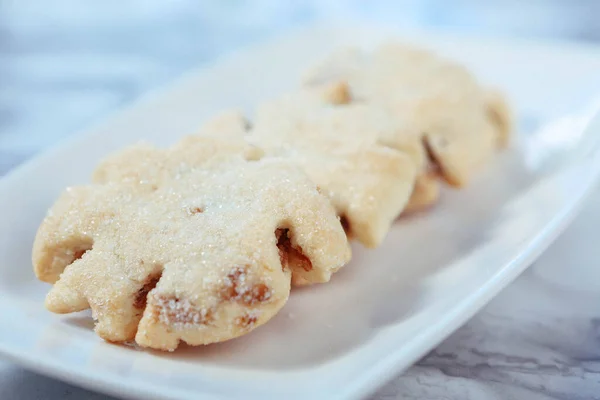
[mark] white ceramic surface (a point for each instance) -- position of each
(384, 310)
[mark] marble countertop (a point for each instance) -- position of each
(62, 67)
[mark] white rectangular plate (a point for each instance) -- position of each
(384, 310)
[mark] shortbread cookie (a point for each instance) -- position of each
(426, 192)
(350, 149)
(342, 148)
(196, 244)
(460, 123)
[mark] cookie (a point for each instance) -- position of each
(341, 147)
(426, 192)
(461, 124)
(196, 243)
(500, 114)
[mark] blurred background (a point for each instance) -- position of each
(66, 63)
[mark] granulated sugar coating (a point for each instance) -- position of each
(182, 244)
(460, 123)
(352, 150)
(349, 149)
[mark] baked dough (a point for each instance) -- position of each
(196, 243)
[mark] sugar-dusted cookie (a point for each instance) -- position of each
(196, 243)
(348, 149)
(460, 123)
(426, 192)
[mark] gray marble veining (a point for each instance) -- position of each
(65, 65)
(539, 339)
